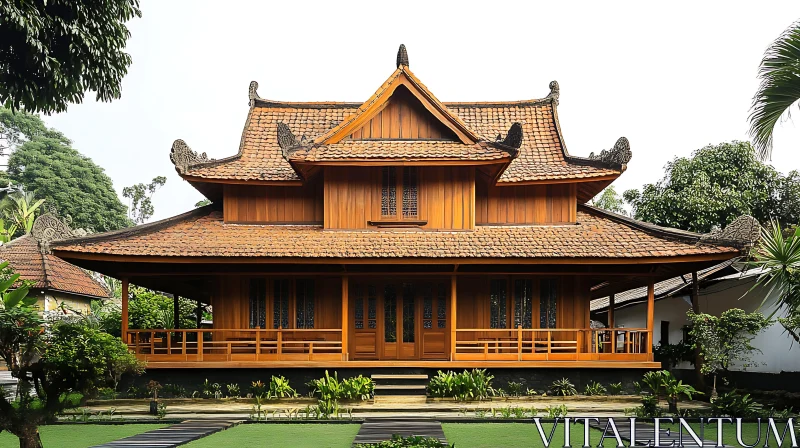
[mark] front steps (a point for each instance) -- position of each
(400, 388)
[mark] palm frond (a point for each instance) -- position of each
(779, 90)
(779, 259)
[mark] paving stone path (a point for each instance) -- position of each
(645, 434)
(377, 430)
(172, 436)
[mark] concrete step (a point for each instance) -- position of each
(399, 377)
(399, 400)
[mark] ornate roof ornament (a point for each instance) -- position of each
(47, 227)
(555, 91)
(620, 154)
(182, 156)
(286, 140)
(513, 138)
(252, 93)
(744, 231)
(402, 56)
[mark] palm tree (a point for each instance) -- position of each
(779, 89)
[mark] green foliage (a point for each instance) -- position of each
(259, 390)
(51, 53)
(648, 409)
(654, 381)
(174, 391)
(610, 200)
(514, 388)
(557, 411)
(676, 389)
(563, 387)
(278, 388)
(210, 390)
(401, 442)
(615, 388)
(672, 354)
(594, 388)
(140, 199)
(733, 404)
(468, 385)
(202, 203)
(329, 388)
(233, 389)
(20, 208)
(715, 186)
(779, 88)
(147, 309)
(727, 338)
(69, 182)
(13, 298)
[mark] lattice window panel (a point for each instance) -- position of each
(389, 191)
(258, 303)
(497, 303)
(304, 304)
(280, 307)
(523, 303)
(547, 303)
(410, 192)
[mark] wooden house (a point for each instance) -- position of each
(401, 231)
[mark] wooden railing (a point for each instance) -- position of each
(557, 344)
(201, 345)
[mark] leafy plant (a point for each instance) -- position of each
(563, 387)
(637, 387)
(162, 410)
(672, 354)
(153, 387)
(258, 389)
(557, 411)
(174, 391)
(233, 390)
(594, 388)
(531, 392)
(211, 390)
(733, 404)
(654, 380)
(278, 388)
(675, 389)
(514, 388)
(403, 442)
(615, 388)
(468, 385)
(357, 388)
(648, 409)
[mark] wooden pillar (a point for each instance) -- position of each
(651, 299)
(125, 309)
(453, 316)
(700, 379)
(611, 304)
(176, 312)
(345, 315)
(199, 314)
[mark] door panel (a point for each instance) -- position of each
(364, 322)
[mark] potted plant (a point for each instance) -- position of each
(153, 387)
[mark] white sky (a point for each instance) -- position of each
(671, 79)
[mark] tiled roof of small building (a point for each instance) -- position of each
(48, 271)
(203, 233)
(398, 149)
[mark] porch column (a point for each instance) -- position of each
(698, 360)
(345, 315)
(611, 323)
(125, 309)
(453, 295)
(176, 312)
(199, 314)
(651, 299)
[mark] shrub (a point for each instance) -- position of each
(278, 388)
(563, 387)
(468, 385)
(401, 442)
(615, 388)
(357, 388)
(648, 409)
(531, 392)
(594, 388)
(174, 391)
(732, 404)
(233, 390)
(514, 388)
(258, 389)
(655, 381)
(153, 387)
(104, 393)
(210, 390)
(557, 411)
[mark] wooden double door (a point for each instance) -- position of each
(400, 320)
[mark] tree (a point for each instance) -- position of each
(147, 309)
(139, 197)
(725, 339)
(70, 183)
(779, 88)
(52, 52)
(715, 186)
(778, 256)
(610, 200)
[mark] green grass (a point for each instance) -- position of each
(749, 433)
(276, 435)
(80, 436)
(502, 435)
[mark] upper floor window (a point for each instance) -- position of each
(258, 303)
(497, 303)
(404, 180)
(548, 298)
(304, 303)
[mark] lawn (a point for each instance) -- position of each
(80, 436)
(502, 435)
(282, 435)
(749, 433)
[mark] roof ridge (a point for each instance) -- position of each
(137, 230)
(669, 232)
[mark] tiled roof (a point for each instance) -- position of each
(662, 289)
(49, 271)
(398, 149)
(202, 233)
(542, 156)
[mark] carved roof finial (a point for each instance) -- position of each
(402, 56)
(47, 227)
(252, 92)
(182, 156)
(286, 139)
(555, 91)
(514, 137)
(744, 231)
(620, 154)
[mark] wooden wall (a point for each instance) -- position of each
(525, 204)
(272, 204)
(352, 197)
(403, 117)
(231, 302)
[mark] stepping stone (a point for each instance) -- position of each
(375, 430)
(172, 436)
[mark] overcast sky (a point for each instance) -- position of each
(670, 79)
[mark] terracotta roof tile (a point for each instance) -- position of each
(398, 149)
(204, 234)
(49, 271)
